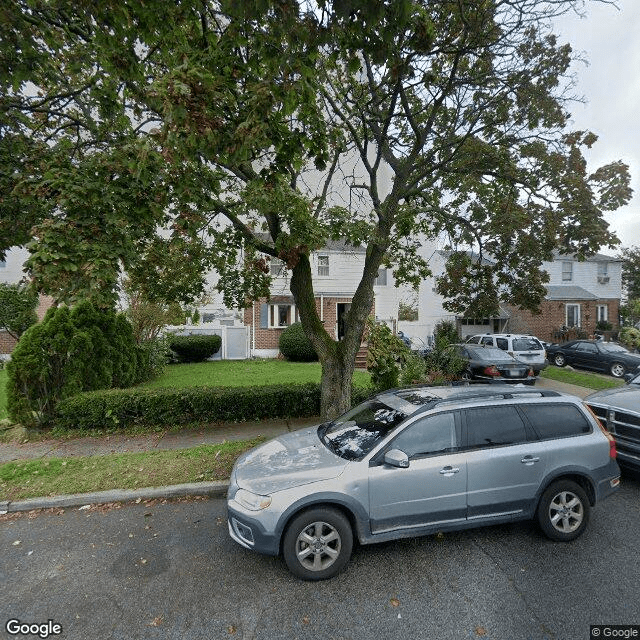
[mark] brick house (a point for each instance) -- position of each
(11, 272)
(579, 296)
(337, 270)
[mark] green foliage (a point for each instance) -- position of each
(194, 348)
(70, 351)
(168, 407)
(18, 304)
(447, 332)
(295, 346)
(630, 311)
(630, 257)
(385, 356)
(407, 311)
(443, 363)
(630, 337)
(603, 325)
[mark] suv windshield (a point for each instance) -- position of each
(357, 432)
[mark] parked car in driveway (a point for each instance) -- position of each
(608, 357)
(526, 348)
(619, 411)
(416, 461)
(494, 365)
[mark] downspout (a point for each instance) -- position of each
(322, 307)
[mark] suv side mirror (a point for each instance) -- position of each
(396, 458)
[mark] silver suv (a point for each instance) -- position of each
(527, 349)
(416, 461)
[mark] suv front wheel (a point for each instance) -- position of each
(317, 543)
(563, 511)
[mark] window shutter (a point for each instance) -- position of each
(264, 316)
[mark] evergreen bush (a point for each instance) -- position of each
(295, 346)
(70, 351)
(194, 348)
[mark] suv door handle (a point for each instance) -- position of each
(449, 471)
(529, 460)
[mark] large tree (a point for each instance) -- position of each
(167, 138)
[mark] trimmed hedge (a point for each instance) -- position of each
(295, 346)
(195, 348)
(167, 407)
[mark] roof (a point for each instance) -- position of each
(572, 292)
(596, 257)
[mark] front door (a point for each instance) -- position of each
(432, 490)
(342, 309)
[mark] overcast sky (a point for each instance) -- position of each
(609, 38)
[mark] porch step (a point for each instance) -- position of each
(361, 356)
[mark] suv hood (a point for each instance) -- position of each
(627, 398)
(287, 461)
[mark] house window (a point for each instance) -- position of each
(323, 265)
(281, 315)
(276, 267)
(567, 271)
(573, 315)
(602, 313)
(603, 272)
(381, 278)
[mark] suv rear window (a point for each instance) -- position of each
(556, 421)
(526, 344)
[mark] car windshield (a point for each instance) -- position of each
(356, 433)
(612, 347)
(526, 344)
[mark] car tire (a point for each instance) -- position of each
(617, 370)
(466, 376)
(317, 543)
(559, 360)
(563, 511)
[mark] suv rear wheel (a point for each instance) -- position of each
(563, 512)
(317, 543)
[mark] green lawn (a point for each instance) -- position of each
(56, 476)
(3, 393)
(582, 378)
(244, 373)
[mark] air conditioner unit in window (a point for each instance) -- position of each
(603, 279)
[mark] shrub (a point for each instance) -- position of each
(194, 348)
(447, 331)
(168, 407)
(295, 346)
(385, 355)
(630, 337)
(70, 351)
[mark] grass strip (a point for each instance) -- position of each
(57, 476)
(3, 394)
(581, 378)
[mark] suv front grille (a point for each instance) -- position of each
(621, 423)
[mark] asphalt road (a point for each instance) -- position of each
(169, 570)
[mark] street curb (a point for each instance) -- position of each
(211, 489)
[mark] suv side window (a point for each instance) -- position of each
(494, 426)
(556, 421)
(502, 343)
(433, 434)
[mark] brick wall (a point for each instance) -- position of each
(268, 338)
(553, 316)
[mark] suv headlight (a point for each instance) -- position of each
(252, 501)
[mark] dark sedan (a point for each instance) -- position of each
(493, 364)
(593, 354)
